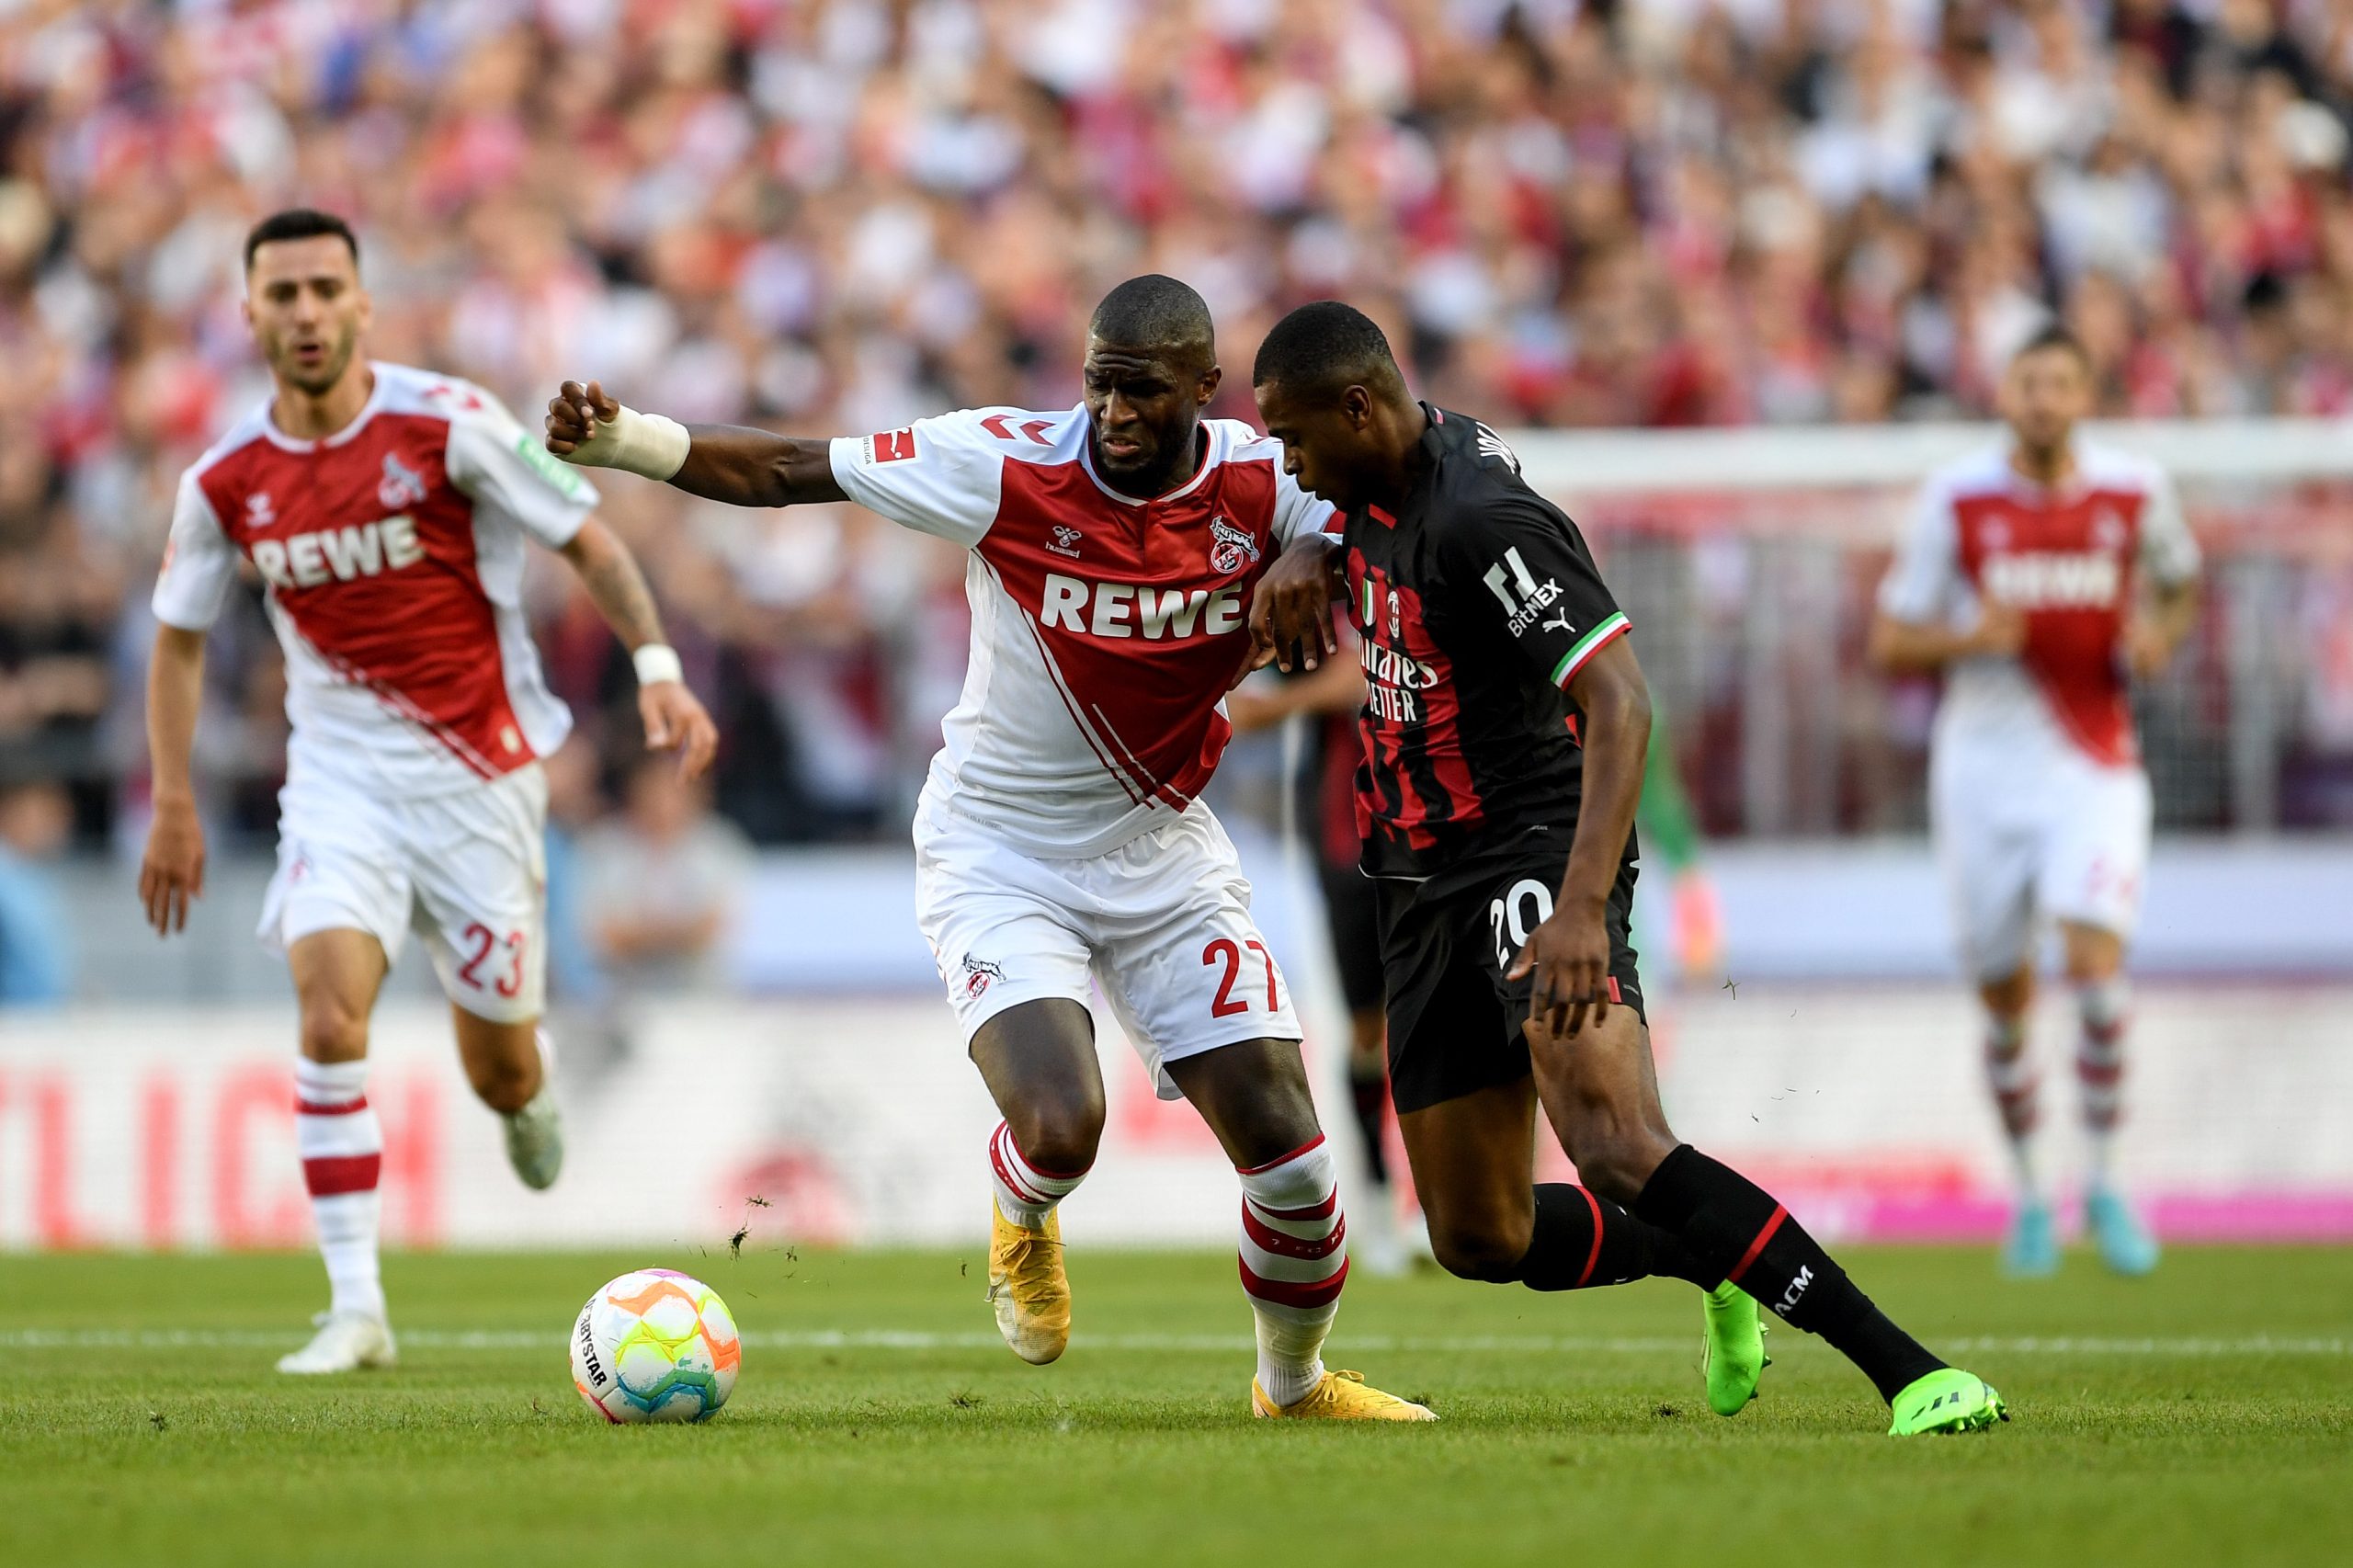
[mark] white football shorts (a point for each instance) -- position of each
(466, 869)
(1162, 923)
(2023, 840)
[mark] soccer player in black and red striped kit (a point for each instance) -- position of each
(1505, 729)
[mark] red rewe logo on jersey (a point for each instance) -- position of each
(891, 445)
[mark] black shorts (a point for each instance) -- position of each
(1454, 1020)
(1351, 908)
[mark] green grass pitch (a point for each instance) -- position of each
(2204, 1416)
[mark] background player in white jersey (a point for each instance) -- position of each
(1114, 547)
(2041, 578)
(386, 509)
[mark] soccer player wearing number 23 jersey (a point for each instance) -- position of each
(1505, 729)
(1060, 838)
(386, 511)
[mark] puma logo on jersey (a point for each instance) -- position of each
(2053, 579)
(1493, 446)
(306, 561)
(1230, 546)
(1129, 609)
(1559, 623)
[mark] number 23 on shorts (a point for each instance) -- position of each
(1225, 950)
(483, 942)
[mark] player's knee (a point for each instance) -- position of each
(1058, 1134)
(1484, 1246)
(333, 1030)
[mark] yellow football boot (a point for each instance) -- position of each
(1341, 1396)
(1028, 1287)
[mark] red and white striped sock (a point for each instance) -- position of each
(343, 1154)
(2017, 1083)
(1025, 1194)
(2101, 1006)
(1294, 1261)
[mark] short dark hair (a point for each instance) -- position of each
(1325, 346)
(2055, 335)
(299, 224)
(1152, 310)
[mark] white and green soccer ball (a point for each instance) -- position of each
(655, 1346)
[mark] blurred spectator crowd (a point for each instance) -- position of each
(836, 215)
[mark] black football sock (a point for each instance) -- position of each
(1584, 1239)
(1750, 1239)
(1369, 1093)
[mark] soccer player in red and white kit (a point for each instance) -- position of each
(2039, 578)
(1059, 836)
(386, 511)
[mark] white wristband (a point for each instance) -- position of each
(649, 444)
(657, 662)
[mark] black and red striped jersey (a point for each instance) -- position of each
(1477, 603)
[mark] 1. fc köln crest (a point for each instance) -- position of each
(1230, 546)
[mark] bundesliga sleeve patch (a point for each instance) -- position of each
(889, 447)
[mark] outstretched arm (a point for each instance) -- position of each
(722, 462)
(672, 715)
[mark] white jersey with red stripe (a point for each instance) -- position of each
(1105, 629)
(391, 554)
(2069, 558)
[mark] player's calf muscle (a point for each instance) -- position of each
(1599, 1097)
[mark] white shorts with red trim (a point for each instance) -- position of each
(1161, 924)
(466, 869)
(2025, 838)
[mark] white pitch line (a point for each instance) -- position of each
(917, 1340)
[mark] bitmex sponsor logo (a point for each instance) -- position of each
(1522, 597)
(366, 550)
(1130, 610)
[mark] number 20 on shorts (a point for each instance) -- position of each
(1226, 952)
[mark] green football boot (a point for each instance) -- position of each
(1947, 1399)
(1732, 1351)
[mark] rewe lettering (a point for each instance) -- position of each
(366, 550)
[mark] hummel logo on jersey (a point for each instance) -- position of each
(401, 486)
(1492, 446)
(890, 446)
(305, 560)
(259, 513)
(1522, 597)
(1230, 546)
(1066, 540)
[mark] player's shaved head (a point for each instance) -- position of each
(1151, 369)
(1157, 311)
(1320, 350)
